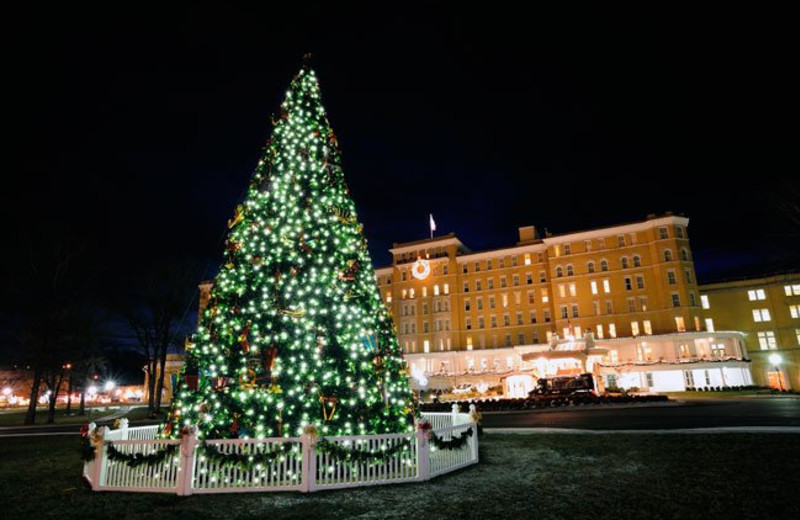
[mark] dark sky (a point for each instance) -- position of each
(136, 129)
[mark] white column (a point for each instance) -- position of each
(186, 463)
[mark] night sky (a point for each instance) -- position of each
(135, 131)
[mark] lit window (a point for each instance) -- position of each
(766, 340)
(436, 290)
(668, 255)
(562, 291)
(637, 261)
(411, 293)
(756, 294)
(704, 301)
(593, 284)
(606, 286)
(599, 331)
(718, 350)
(405, 293)
(680, 325)
(792, 290)
(424, 292)
(590, 267)
(447, 288)
(697, 323)
(527, 259)
(389, 297)
(504, 298)
(648, 327)
(572, 290)
(760, 315)
(612, 332)
(545, 297)
(469, 342)
(794, 310)
(710, 325)
(797, 334)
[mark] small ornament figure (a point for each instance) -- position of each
(237, 217)
(329, 403)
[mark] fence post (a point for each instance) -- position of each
(309, 463)
(123, 426)
(101, 455)
(454, 414)
(473, 414)
(186, 463)
(423, 456)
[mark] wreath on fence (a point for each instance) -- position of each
(137, 459)
(453, 444)
(244, 461)
(344, 453)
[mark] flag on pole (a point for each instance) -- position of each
(433, 225)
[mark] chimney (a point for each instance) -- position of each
(527, 234)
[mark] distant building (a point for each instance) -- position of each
(767, 310)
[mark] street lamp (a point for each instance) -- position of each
(109, 386)
(775, 360)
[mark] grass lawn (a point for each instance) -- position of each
(520, 476)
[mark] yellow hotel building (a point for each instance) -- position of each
(768, 310)
(622, 302)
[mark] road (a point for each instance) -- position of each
(688, 414)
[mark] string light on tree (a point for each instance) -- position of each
(295, 335)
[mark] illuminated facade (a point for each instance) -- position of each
(768, 311)
(622, 302)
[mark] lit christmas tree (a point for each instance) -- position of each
(295, 333)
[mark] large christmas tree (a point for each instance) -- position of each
(295, 333)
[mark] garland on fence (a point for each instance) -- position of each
(344, 453)
(137, 459)
(454, 443)
(245, 461)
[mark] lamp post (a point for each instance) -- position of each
(775, 360)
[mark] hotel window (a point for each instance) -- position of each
(515, 280)
(604, 265)
(479, 302)
(688, 378)
(628, 284)
(425, 327)
(570, 270)
(679, 231)
(684, 350)
(464, 268)
(504, 299)
(527, 259)
(389, 297)
(613, 356)
(478, 285)
(488, 265)
(490, 283)
(545, 297)
(648, 327)
(662, 233)
(559, 271)
(508, 340)
(643, 303)
(469, 342)
(564, 312)
(514, 260)
(542, 276)
(684, 255)
(424, 292)
(405, 328)
(766, 340)
(519, 318)
(704, 301)
(466, 287)
(506, 320)
(710, 325)
(567, 249)
(491, 302)
(649, 378)
(530, 297)
(792, 290)
(424, 308)
(596, 306)
(501, 262)
(639, 281)
(503, 281)
(426, 346)
(601, 243)
(631, 304)
(797, 334)
(621, 240)
(637, 261)
(590, 267)
(403, 276)
(477, 266)
(668, 255)
(671, 278)
(587, 245)
(436, 290)
(718, 350)
(687, 275)
(528, 278)
(612, 332)
(533, 317)
(756, 294)
(411, 293)
(444, 269)
(680, 326)
(794, 311)
(606, 286)
(593, 285)
(466, 304)
(447, 327)
(446, 288)
(624, 262)
(468, 324)
(676, 300)
(520, 341)
(572, 290)
(575, 310)
(599, 331)
(413, 328)
(493, 319)
(535, 337)
(562, 290)
(760, 315)
(481, 322)
(692, 300)
(546, 315)
(517, 298)
(609, 307)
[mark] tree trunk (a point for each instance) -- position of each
(30, 416)
(55, 388)
(151, 386)
(82, 409)
(160, 386)
(69, 395)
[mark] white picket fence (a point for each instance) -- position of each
(299, 465)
